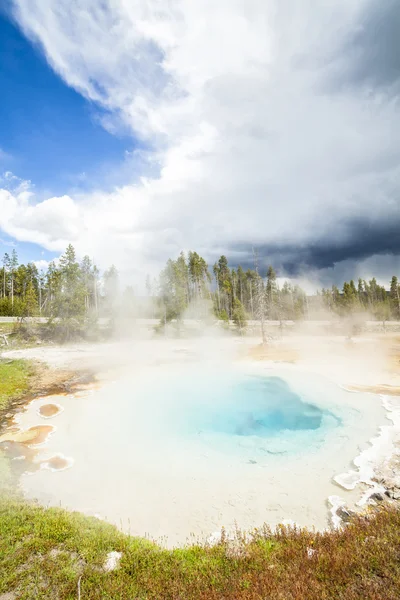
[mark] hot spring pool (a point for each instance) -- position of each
(184, 450)
(258, 406)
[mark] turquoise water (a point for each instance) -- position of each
(233, 411)
(259, 406)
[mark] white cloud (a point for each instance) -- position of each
(42, 265)
(3, 155)
(251, 144)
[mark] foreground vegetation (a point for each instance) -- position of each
(14, 381)
(45, 553)
(54, 554)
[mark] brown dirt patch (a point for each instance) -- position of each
(53, 381)
(49, 410)
(386, 390)
(46, 381)
(33, 436)
(275, 352)
(57, 462)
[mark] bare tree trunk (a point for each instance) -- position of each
(95, 294)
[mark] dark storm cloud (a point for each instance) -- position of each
(370, 53)
(363, 240)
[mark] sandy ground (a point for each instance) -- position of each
(370, 362)
(202, 499)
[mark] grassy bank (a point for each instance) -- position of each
(54, 554)
(14, 381)
(44, 553)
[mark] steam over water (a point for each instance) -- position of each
(186, 449)
(257, 406)
(244, 415)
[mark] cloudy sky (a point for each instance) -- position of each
(138, 128)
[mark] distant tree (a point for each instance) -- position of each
(239, 315)
(29, 305)
(395, 297)
(6, 267)
(271, 292)
(87, 279)
(111, 291)
(350, 297)
(13, 268)
(251, 286)
(67, 305)
(241, 282)
(260, 303)
(72, 292)
(223, 278)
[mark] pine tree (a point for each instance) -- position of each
(271, 292)
(6, 266)
(239, 315)
(29, 307)
(260, 307)
(68, 295)
(13, 267)
(395, 296)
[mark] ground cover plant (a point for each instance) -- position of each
(14, 381)
(45, 553)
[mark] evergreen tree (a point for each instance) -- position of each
(13, 267)
(260, 300)
(29, 306)
(239, 315)
(395, 297)
(272, 293)
(67, 304)
(6, 267)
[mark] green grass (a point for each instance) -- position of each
(15, 378)
(21, 335)
(14, 381)
(44, 553)
(7, 327)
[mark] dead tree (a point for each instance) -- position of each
(260, 308)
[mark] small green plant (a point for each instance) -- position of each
(14, 380)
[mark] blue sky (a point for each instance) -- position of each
(50, 134)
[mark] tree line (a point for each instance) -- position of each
(186, 287)
(68, 292)
(74, 292)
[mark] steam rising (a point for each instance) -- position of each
(142, 454)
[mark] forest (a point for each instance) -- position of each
(75, 291)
